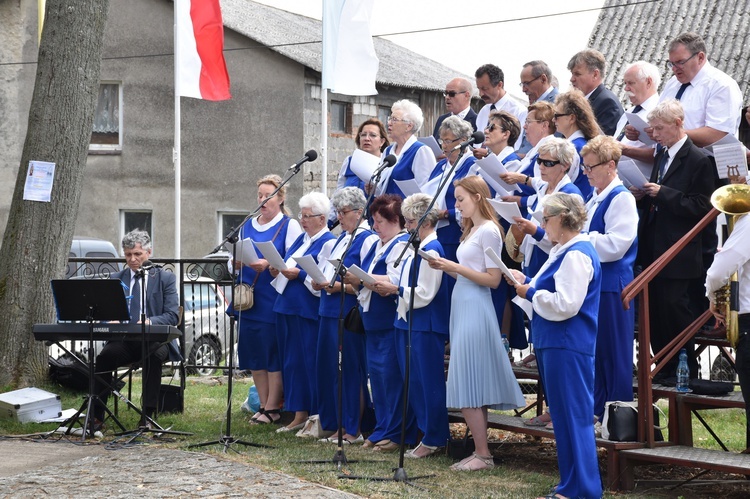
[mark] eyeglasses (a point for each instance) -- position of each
(549, 163)
(452, 93)
(528, 121)
(491, 127)
(307, 217)
(391, 119)
(560, 115)
(588, 169)
(410, 221)
(681, 63)
(365, 135)
(527, 83)
(341, 213)
(441, 141)
(546, 219)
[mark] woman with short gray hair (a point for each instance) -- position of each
(429, 328)
(414, 159)
(297, 307)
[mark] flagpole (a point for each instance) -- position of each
(324, 137)
(177, 147)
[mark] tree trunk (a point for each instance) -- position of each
(38, 235)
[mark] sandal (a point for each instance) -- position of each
(268, 414)
(258, 414)
(538, 420)
(484, 463)
(385, 446)
(430, 451)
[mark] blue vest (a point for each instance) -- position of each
(582, 181)
(618, 274)
(329, 304)
(577, 333)
(403, 168)
(382, 308)
(435, 316)
(296, 298)
(451, 233)
(350, 178)
(265, 294)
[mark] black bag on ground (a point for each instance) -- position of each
(69, 373)
(353, 321)
(621, 422)
(708, 387)
(460, 448)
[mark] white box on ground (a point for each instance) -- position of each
(29, 405)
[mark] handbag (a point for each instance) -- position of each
(353, 321)
(511, 246)
(620, 422)
(244, 295)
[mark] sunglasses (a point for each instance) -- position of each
(547, 162)
(452, 93)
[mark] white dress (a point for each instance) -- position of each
(480, 373)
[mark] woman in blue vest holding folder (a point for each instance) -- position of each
(563, 301)
(612, 225)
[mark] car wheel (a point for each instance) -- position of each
(206, 351)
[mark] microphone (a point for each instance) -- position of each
(388, 162)
(148, 265)
(310, 155)
(476, 138)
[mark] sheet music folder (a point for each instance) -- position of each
(76, 299)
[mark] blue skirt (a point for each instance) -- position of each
(480, 373)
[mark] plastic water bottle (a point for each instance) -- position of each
(507, 346)
(683, 374)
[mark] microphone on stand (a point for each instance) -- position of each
(388, 162)
(310, 155)
(148, 265)
(476, 138)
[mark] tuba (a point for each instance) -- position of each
(734, 201)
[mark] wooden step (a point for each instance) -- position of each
(680, 455)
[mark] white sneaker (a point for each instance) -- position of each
(245, 407)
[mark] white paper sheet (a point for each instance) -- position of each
(408, 187)
(308, 264)
(271, 254)
(495, 184)
(494, 167)
(728, 139)
(425, 255)
(430, 142)
(506, 209)
(246, 251)
(630, 173)
(730, 159)
(364, 164)
(503, 268)
(639, 124)
(40, 177)
(361, 274)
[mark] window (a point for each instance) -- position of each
(106, 135)
(340, 117)
(227, 222)
(135, 219)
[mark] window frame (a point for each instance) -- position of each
(95, 148)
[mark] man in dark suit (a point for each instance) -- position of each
(457, 101)
(673, 202)
(162, 307)
(536, 83)
(586, 74)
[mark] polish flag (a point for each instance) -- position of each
(199, 60)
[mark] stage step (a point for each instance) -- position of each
(680, 455)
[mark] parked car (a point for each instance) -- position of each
(91, 247)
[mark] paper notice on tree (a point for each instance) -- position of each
(506, 209)
(40, 176)
(361, 274)
(503, 268)
(630, 173)
(271, 254)
(430, 142)
(308, 264)
(639, 124)
(364, 164)
(408, 187)
(494, 184)
(494, 167)
(731, 160)
(246, 251)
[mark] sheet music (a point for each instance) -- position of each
(364, 164)
(246, 251)
(494, 167)
(495, 184)
(425, 255)
(308, 264)
(639, 124)
(408, 187)
(730, 160)
(271, 254)
(430, 142)
(503, 268)
(362, 275)
(630, 173)
(506, 209)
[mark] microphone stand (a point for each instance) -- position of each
(339, 457)
(399, 473)
(232, 237)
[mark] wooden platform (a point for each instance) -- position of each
(681, 455)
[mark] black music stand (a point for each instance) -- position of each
(89, 300)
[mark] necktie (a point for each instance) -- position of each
(492, 107)
(662, 165)
(637, 109)
(135, 301)
(681, 90)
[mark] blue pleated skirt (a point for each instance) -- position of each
(480, 373)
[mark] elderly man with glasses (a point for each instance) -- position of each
(457, 101)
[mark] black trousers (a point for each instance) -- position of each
(742, 365)
(121, 353)
(670, 313)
